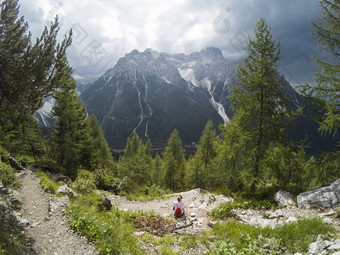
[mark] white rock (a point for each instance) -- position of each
(284, 198)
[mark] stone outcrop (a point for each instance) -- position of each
(64, 189)
(284, 198)
(13, 163)
(320, 197)
(324, 246)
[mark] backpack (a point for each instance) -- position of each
(178, 212)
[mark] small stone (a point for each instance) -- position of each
(329, 213)
(193, 215)
(50, 241)
(35, 224)
(23, 222)
(211, 223)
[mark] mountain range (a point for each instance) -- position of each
(153, 93)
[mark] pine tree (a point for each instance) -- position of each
(201, 171)
(327, 77)
(157, 170)
(259, 103)
(28, 71)
(136, 163)
(71, 137)
(174, 163)
(101, 151)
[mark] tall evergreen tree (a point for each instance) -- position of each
(327, 77)
(136, 163)
(101, 151)
(28, 71)
(71, 137)
(174, 163)
(201, 171)
(259, 103)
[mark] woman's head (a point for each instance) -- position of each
(179, 198)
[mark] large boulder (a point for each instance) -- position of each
(320, 197)
(284, 198)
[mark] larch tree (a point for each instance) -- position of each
(327, 87)
(201, 172)
(101, 150)
(261, 109)
(174, 163)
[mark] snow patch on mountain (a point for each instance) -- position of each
(188, 75)
(45, 111)
(218, 106)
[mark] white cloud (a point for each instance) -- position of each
(174, 26)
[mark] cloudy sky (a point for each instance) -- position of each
(104, 30)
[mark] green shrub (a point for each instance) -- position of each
(296, 236)
(225, 210)
(47, 184)
(7, 175)
(106, 229)
(104, 179)
(85, 182)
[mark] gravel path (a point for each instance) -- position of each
(197, 203)
(47, 227)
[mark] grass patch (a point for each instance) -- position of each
(47, 184)
(148, 193)
(106, 229)
(225, 210)
(294, 236)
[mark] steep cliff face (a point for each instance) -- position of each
(153, 93)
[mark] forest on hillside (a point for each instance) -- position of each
(253, 151)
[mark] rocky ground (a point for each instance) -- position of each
(46, 230)
(44, 221)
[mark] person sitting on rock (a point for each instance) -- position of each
(178, 207)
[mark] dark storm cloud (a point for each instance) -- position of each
(113, 28)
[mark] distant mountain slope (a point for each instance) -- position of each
(152, 93)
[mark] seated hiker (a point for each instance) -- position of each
(178, 207)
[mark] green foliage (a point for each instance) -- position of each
(71, 138)
(29, 70)
(7, 175)
(225, 210)
(106, 229)
(104, 179)
(327, 77)
(148, 193)
(283, 164)
(102, 156)
(294, 236)
(85, 182)
(47, 184)
(322, 170)
(174, 163)
(200, 167)
(136, 163)
(261, 109)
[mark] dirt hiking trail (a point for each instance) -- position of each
(45, 222)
